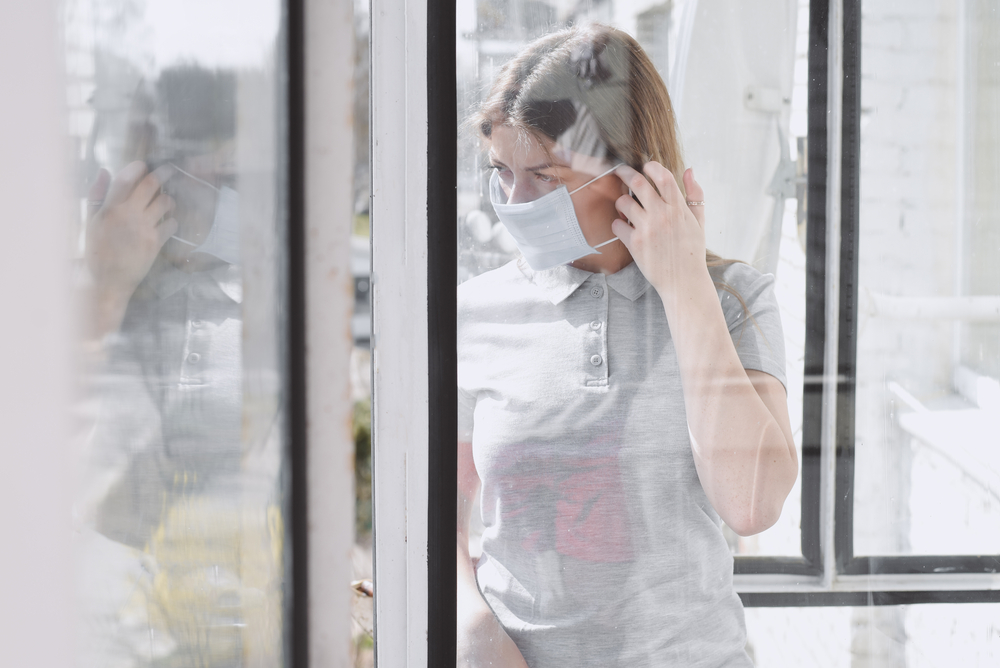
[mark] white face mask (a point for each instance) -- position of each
(545, 230)
(223, 240)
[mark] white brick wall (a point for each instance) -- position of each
(908, 231)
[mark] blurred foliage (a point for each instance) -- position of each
(363, 466)
(361, 227)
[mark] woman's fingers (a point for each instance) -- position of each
(638, 184)
(149, 188)
(628, 207)
(655, 184)
(695, 194)
(663, 179)
(159, 207)
(124, 183)
(98, 190)
(623, 231)
(165, 230)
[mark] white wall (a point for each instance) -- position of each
(36, 584)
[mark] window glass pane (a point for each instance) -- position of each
(578, 478)
(908, 635)
(181, 507)
(927, 467)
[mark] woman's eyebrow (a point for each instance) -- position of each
(536, 168)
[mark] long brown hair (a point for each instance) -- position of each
(599, 69)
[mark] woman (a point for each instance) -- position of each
(615, 403)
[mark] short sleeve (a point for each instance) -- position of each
(751, 312)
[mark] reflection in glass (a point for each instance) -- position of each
(928, 396)
(600, 476)
(180, 511)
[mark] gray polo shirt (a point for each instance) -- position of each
(600, 547)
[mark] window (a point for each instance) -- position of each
(183, 513)
(882, 156)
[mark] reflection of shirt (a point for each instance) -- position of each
(172, 395)
(600, 547)
(168, 477)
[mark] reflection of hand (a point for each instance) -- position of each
(665, 236)
(127, 232)
(124, 235)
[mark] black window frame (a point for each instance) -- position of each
(847, 562)
(292, 88)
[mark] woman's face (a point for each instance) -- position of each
(194, 188)
(530, 167)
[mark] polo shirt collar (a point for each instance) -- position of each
(168, 280)
(629, 282)
(560, 282)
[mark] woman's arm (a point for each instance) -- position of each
(481, 640)
(740, 433)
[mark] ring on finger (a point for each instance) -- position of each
(699, 203)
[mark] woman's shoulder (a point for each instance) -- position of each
(740, 277)
(491, 284)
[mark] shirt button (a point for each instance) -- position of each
(596, 360)
(193, 358)
(596, 324)
(596, 291)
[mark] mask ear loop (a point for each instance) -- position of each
(601, 176)
(203, 182)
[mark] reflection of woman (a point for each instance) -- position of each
(615, 403)
(167, 479)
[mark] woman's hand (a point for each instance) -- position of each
(481, 641)
(127, 232)
(665, 236)
(127, 228)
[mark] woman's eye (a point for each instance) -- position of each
(504, 173)
(546, 178)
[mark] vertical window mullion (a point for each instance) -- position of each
(297, 603)
(850, 154)
(400, 373)
(815, 345)
(442, 355)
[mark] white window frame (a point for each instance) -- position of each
(399, 329)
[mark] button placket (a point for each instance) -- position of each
(596, 349)
(196, 338)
